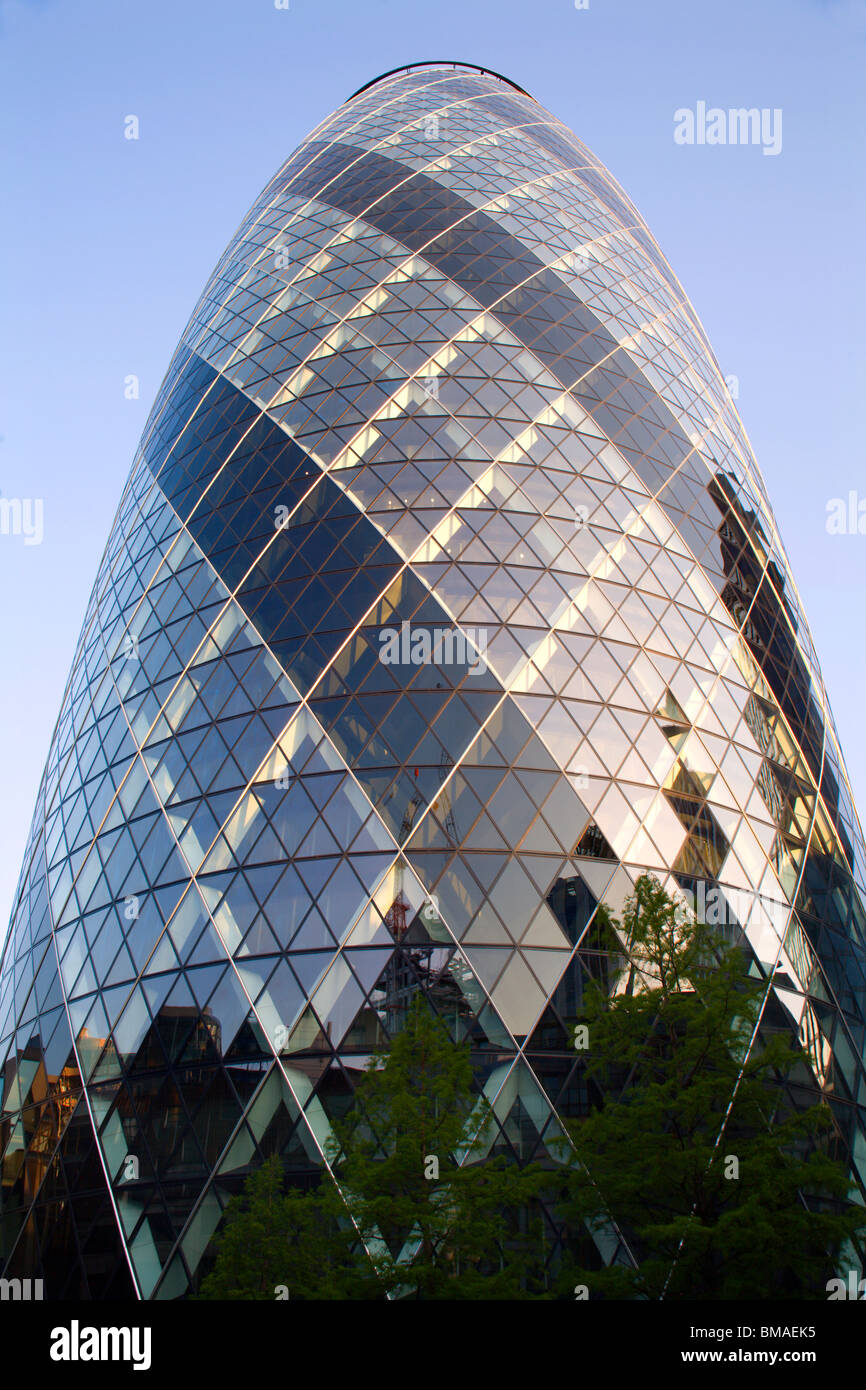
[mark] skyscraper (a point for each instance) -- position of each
(443, 599)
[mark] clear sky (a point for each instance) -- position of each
(105, 244)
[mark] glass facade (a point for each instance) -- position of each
(444, 599)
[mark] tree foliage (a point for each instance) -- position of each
(275, 1239)
(418, 1208)
(718, 1186)
(439, 1218)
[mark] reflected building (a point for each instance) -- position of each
(443, 599)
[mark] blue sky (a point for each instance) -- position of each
(105, 244)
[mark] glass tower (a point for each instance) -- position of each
(444, 598)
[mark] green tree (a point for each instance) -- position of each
(718, 1185)
(273, 1239)
(439, 1219)
(418, 1209)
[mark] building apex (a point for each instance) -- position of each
(440, 63)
